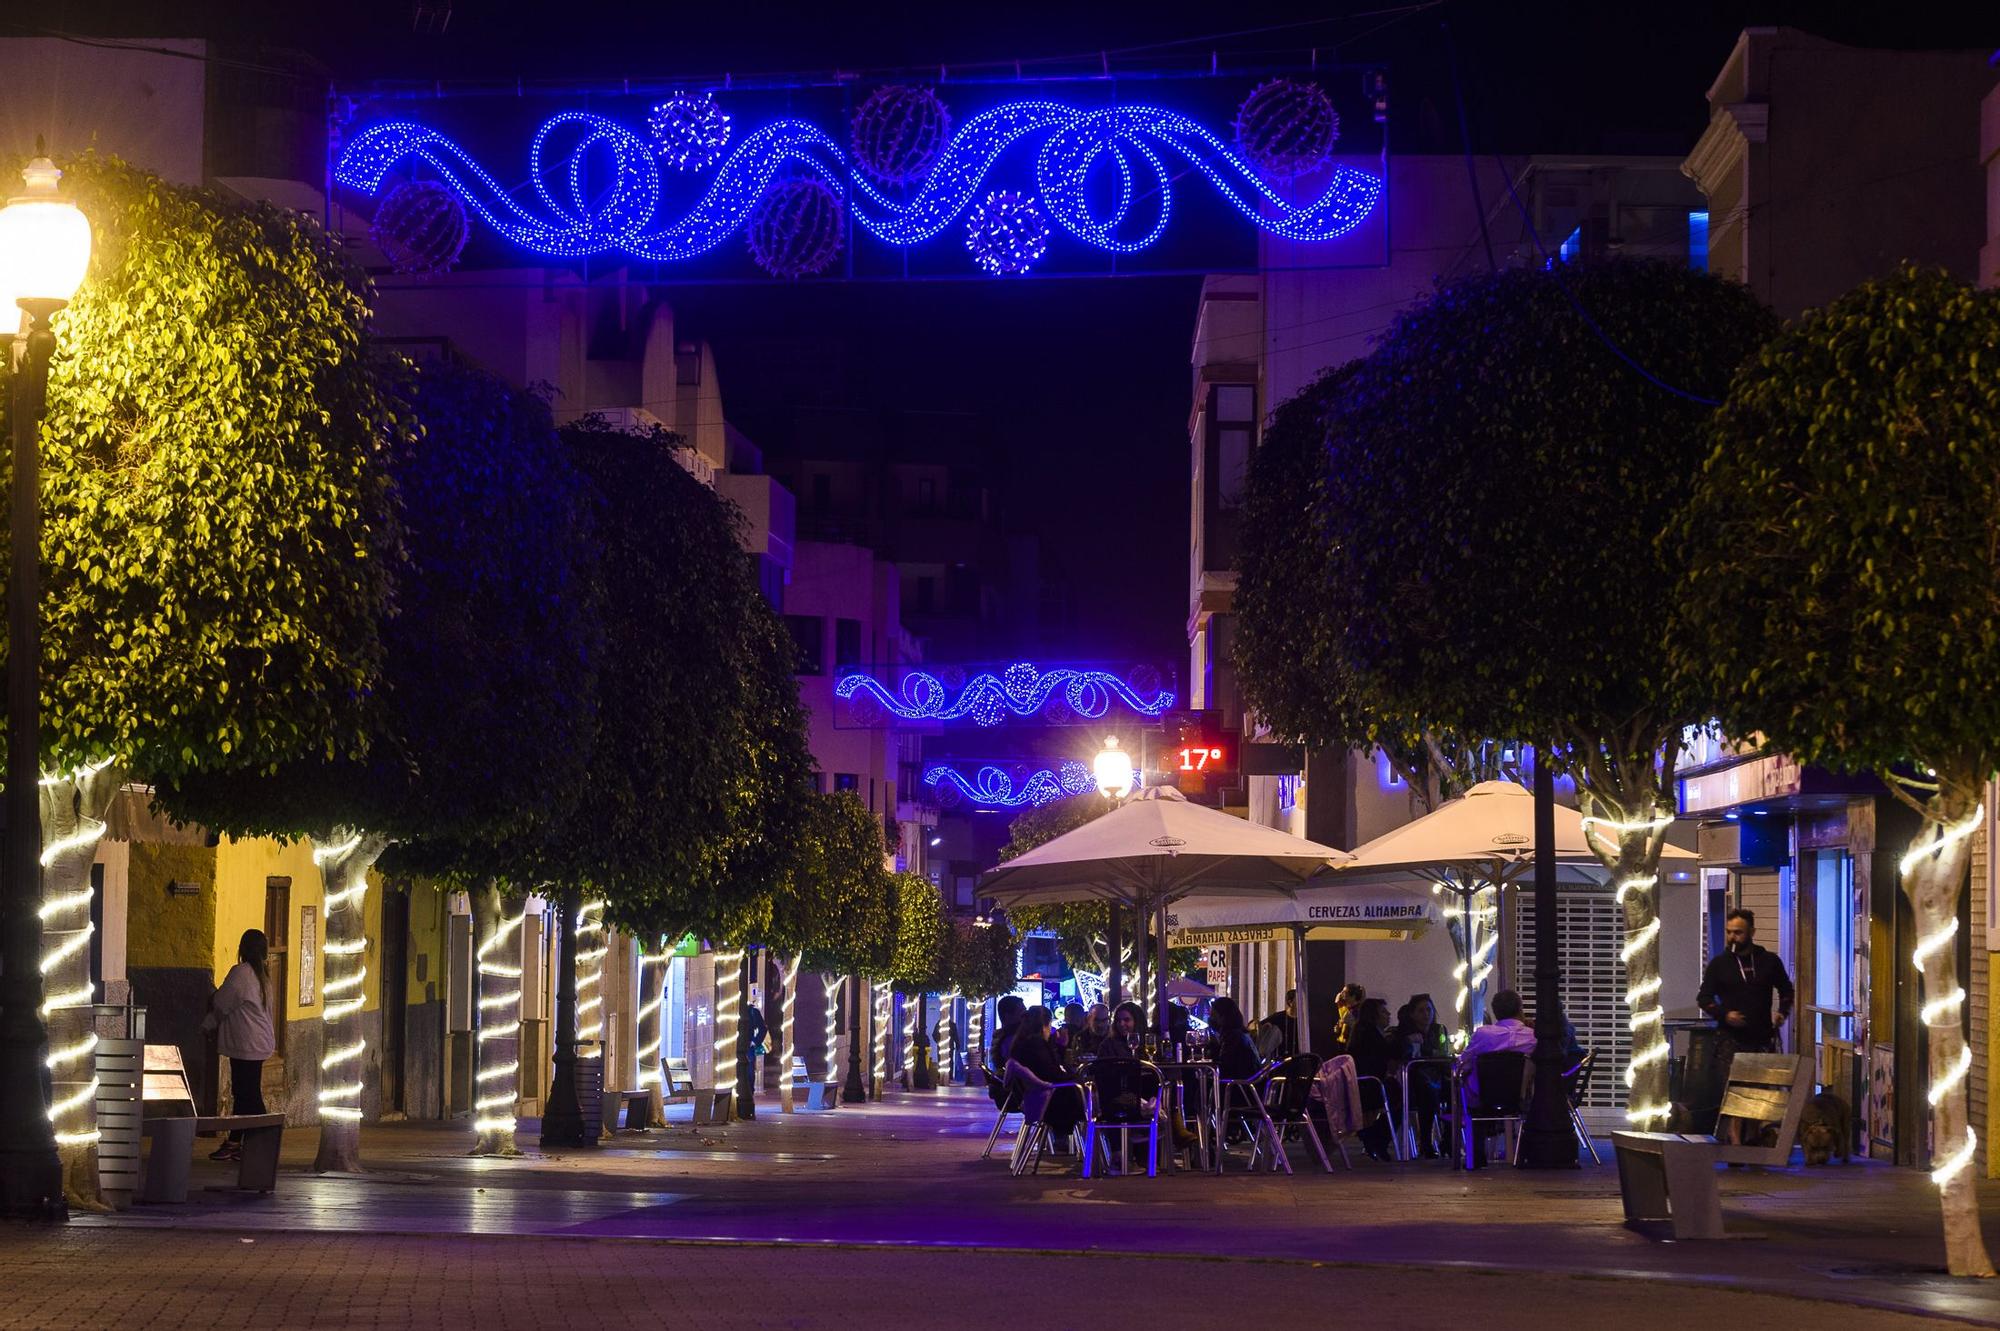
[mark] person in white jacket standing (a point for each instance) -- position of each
(244, 1037)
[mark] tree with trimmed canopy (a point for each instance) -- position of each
(481, 726)
(1840, 597)
(1497, 478)
(217, 534)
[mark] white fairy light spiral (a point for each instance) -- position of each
(72, 1115)
(494, 1092)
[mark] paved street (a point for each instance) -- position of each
(885, 1212)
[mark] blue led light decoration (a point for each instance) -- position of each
(1022, 690)
(991, 787)
(1104, 178)
(689, 130)
(898, 133)
(1287, 128)
(796, 228)
(1007, 233)
(421, 227)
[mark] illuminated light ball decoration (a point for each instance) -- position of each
(422, 228)
(898, 133)
(797, 227)
(689, 130)
(1287, 128)
(1007, 233)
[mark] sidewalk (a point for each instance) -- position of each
(906, 1174)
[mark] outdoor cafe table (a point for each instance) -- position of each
(1173, 1093)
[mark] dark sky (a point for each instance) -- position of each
(1085, 383)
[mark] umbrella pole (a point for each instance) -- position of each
(1115, 981)
(1160, 969)
(1139, 953)
(1301, 1041)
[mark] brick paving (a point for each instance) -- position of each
(886, 1211)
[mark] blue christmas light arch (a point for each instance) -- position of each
(1022, 690)
(608, 197)
(991, 787)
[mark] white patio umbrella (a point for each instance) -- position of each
(1468, 846)
(1152, 850)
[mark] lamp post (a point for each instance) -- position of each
(44, 249)
(1114, 775)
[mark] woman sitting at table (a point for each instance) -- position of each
(1235, 1052)
(1127, 1036)
(1035, 1064)
(1375, 1055)
(1421, 1036)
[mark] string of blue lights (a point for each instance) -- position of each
(1022, 690)
(606, 195)
(991, 787)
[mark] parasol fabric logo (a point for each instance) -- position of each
(1170, 844)
(1511, 839)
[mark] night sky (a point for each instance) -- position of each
(1086, 383)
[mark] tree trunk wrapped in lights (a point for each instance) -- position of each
(344, 1063)
(1934, 873)
(74, 807)
(496, 1079)
(1839, 600)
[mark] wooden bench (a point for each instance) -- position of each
(164, 1082)
(173, 1149)
(631, 1111)
(1671, 1176)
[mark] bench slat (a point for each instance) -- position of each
(1758, 1074)
(1756, 1102)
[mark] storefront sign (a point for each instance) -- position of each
(1770, 777)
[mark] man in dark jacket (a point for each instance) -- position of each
(1737, 989)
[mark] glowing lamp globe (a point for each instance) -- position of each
(44, 241)
(1113, 770)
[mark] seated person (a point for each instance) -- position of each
(1277, 1034)
(1421, 1038)
(1035, 1064)
(1011, 1010)
(1345, 1005)
(1505, 1034)
(1127, 1037)
(1235, 1052)
(1374, 1050)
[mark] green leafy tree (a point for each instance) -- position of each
(980, 959)
(834, 904)
(921, 936)
(1497, 480)
(1841, 597)
(217, 533)
(482, 725)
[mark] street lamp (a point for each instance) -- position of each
(1113, 770)
(44, 249)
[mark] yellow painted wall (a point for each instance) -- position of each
(163, 930)
(241, 868)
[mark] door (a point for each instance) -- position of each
(277, 980)
(395, 995)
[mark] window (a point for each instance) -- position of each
(847, 642)
(687, 363)
(1833, 940)
(808, 638)
(1698, 241)
(926, 494)
(1232, 465)
(822, 492)
(1235, 404)
(847, 781)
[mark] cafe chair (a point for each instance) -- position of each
(1502, 1100)
(1122, 1097)
(1009, 1094)
(1242, 1099)
(1035, 1138)
(1577, 1083)
(1288, 1102)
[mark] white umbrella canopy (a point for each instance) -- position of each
(1326, 908)
(1486, 835)
(1153, 849)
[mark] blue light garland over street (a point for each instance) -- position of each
(993, 788)
(1022, 690)
(609, 198)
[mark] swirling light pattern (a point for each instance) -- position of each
(993, 788)
(1105, 177)
(1022, 690)
(495, 1094)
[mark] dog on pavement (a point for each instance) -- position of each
(1826, 1129)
